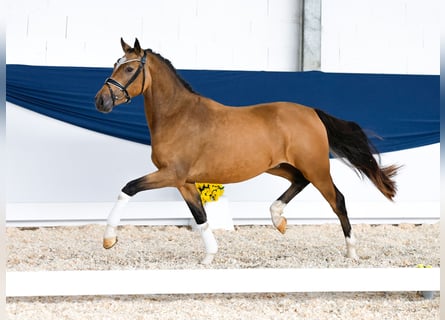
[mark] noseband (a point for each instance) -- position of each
(110, 81)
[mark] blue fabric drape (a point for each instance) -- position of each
(403, 110)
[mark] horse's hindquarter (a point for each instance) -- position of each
(239, 143)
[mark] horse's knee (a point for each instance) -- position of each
(133, 187)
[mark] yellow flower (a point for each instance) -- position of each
(420, 265)
(209, 191)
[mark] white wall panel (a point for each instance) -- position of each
(378, 36)
(46, 26)
(193, 34)
(399, 36)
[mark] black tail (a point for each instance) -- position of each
(347, 140)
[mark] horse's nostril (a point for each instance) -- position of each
(99, 101)
(103, 104)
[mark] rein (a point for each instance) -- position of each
(110, 81)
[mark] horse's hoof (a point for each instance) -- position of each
(208, 259)
(282, 225)
(353, 256)
(109, 242)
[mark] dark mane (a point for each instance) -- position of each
(170, 66)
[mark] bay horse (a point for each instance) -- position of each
(196, 139)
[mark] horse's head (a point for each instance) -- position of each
(128, 79)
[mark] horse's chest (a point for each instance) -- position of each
(168, 154)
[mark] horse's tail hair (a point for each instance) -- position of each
(348, 142)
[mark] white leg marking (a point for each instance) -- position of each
(276, 210)
(113, 220)
(110, 232)
(115, 215)
(211, 246)
(350, 247)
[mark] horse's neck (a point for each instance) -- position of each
(165, 98)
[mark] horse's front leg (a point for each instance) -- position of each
(193, 200)
(158, 179)
(110, 236)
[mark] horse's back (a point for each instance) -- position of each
(290, 122)
(291, 132)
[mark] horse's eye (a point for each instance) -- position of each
(128, 69)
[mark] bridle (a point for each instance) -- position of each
(110, 81)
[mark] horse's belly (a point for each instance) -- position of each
(232, 166)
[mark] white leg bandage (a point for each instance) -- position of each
(115, 215)
(207, 236)
(110, 237)
(350, 247)
(211, 246)
(110, 232)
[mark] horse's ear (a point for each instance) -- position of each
(137, 46)
(125, 46)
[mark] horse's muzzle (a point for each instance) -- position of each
(104, 103)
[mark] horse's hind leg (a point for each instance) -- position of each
(298, 183)
(193, 200)
(346, 225)
(337, 202)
